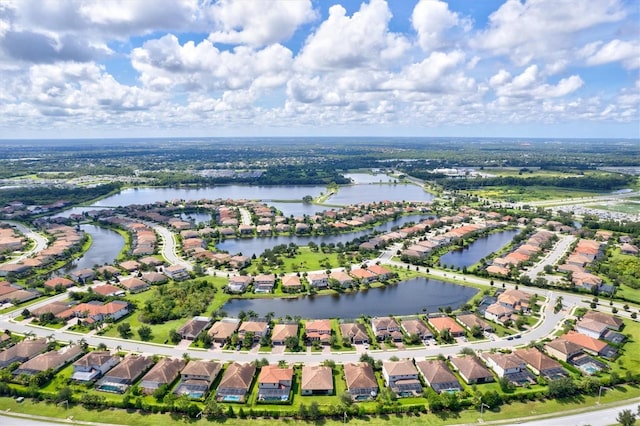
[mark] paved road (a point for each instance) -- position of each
(553, 256)
(40, 241)
(169, 247)
(245, 216)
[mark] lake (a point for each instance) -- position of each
(105, 247)
(406, 298)
(355, 194)
(249, 247)
(480, 248)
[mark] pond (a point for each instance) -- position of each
(105, 247)
(251, 246)
(480, 248)
(414, 296)
(365, 178)
(354, 194)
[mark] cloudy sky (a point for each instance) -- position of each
(116, 68)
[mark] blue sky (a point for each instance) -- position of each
(142, 68)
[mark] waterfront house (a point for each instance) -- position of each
(318, 280)
(382, 273)
(361, 381)
(442, 323)
(418, 327)
(52, 360)
(402, 377)
(319, 330)
(281, 332)
(291, 283)
(386, 327)
(342, 278)
(316, 380)
(264, 283)
(356, 332)
(274, 383)
(235, 382)
(437, 375)
(93, 365)
(239, 283)
(222, 330)
(165, 372)
(258, 328)
(197, 377)
(363, 275)
(471, 369)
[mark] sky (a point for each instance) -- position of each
(472, 68)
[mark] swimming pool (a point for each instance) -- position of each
(589, 368)
(232, 398)
(111, 388)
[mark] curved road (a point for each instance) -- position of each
(169, 247)
(40, 241)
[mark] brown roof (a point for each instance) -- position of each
(53, 282)
(133, 283)
(282, 331)
(564, 346)
(275, 374)
(470, 367)
(355, 331)
(609, 320)
(165, 371)
(317, 377)
(585, 341)
(194, 326)
(53, 307)
(52, 359)
(416, 326)
(359, 376)
(291, 281)
(130, 368)
(440, 323)
(223, 329)
(237, 376)
(253, 326)
(471, 320)
(94, 358)
(202, 368)
(318, 325)
(436, 371)
(400, 368)
(25, 349)
(503, 360)
(537, 359)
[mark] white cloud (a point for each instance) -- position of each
(530, 84)
(258, 23)
(431, 19)
(627, 52)
(362, 40)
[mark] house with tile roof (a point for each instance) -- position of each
(291, 283)
(274, 383)
(134, 284)
(316, 380)
(386, 328)
(469, 321)
(165, 372)
(471, 369)
(93, 365)
(318, 280)
(442, 323)
(281, 332)
(194, 327)
(108, 290)
(562, 349)
(356, 332)
(52, 360)
(418, 327)
(221, 331)
(541, 364)
(361, 381)
(239, 283)
(590, 345)
(22, 351)
(123, 375)
(258, 328)
(402, 377)
(236, 382)
(197, 377)
(436, 374)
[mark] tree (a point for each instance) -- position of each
(161, 392)
(292, 343)
(145, 332)
(174, 336)
(476, 331)
(125, 330)
(562, 388)
(64, 394)
(626, 418)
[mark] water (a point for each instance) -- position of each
(298, 209)
(365, 178)
(354, 194)
(257, 246)
(197, 217)
(406, 298)
(105, 247)
(478, 249)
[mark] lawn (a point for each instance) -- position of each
(623, 207)
(530, 193)
(630, 359)
(306, 260)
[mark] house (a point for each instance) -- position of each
(123, 375)
(471, 369)
(197, 377)
(541, 364)
(93, 365)
(22, 351)
(52, 360)
(596, 324)
(194, 327)
(342, 278)
(264, 283)
(562, 349)
(469, 321)
(281, 332)
(319, 330)
(363, 275)
(258, 328)
(274, 383)
(381, 272)
(510, 366)
(437, 375)
(402, 377)
(58, 281)
(176, 272)
(590, 345)
(235, 382)
(316, 380)
(498, 313)
(134, 285)
(130, 265)
(82, 275)
(239, 283)
(53, 308)
(239, 261)
(96, 311)
(361, 381)
(222, 330)
(291, 283)
(108, 290)
(386, 327)
(514, 299)
(629, 249)
(155, 278)
(164, 372)
(418, 327)
(356, 332)
(319, 280)
(442, 323)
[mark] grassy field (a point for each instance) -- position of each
(630, 358)
(530, 193)
(622, 207)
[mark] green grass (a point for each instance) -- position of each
(630, 356)
(531, 193)
(622, 207)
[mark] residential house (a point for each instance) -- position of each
(165, 372)
(382, 273)
(342, 278)
(418, 327)
(123, 375)
(510, 366)
(361, 381)
(58, 281)
(291, 283)
(239, 261)
(259, 329)
(437, 375)
(22, 351)
(134, 284)
(274, 383)
(469, 321)
(93, 365)
(221, 331)
(386, 328)
(236, 382)
(498, 313)
(541, 364)
(155, 278)
(514, 299)
(52, 360)
(471, 369)
(356, 332)
(318, 280)
(596, 324)
(281, 332)
(363, 275)
(316, 380)
(402, 377)
(264, 283)
(176, 272)
(108, 290)
(82, 275)
(319, 330)
(197, 377)
(590, 345)
(130, 265)
(442, 323)
(239, 283)
(93, 312)
(194, 327)
(562, 349)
